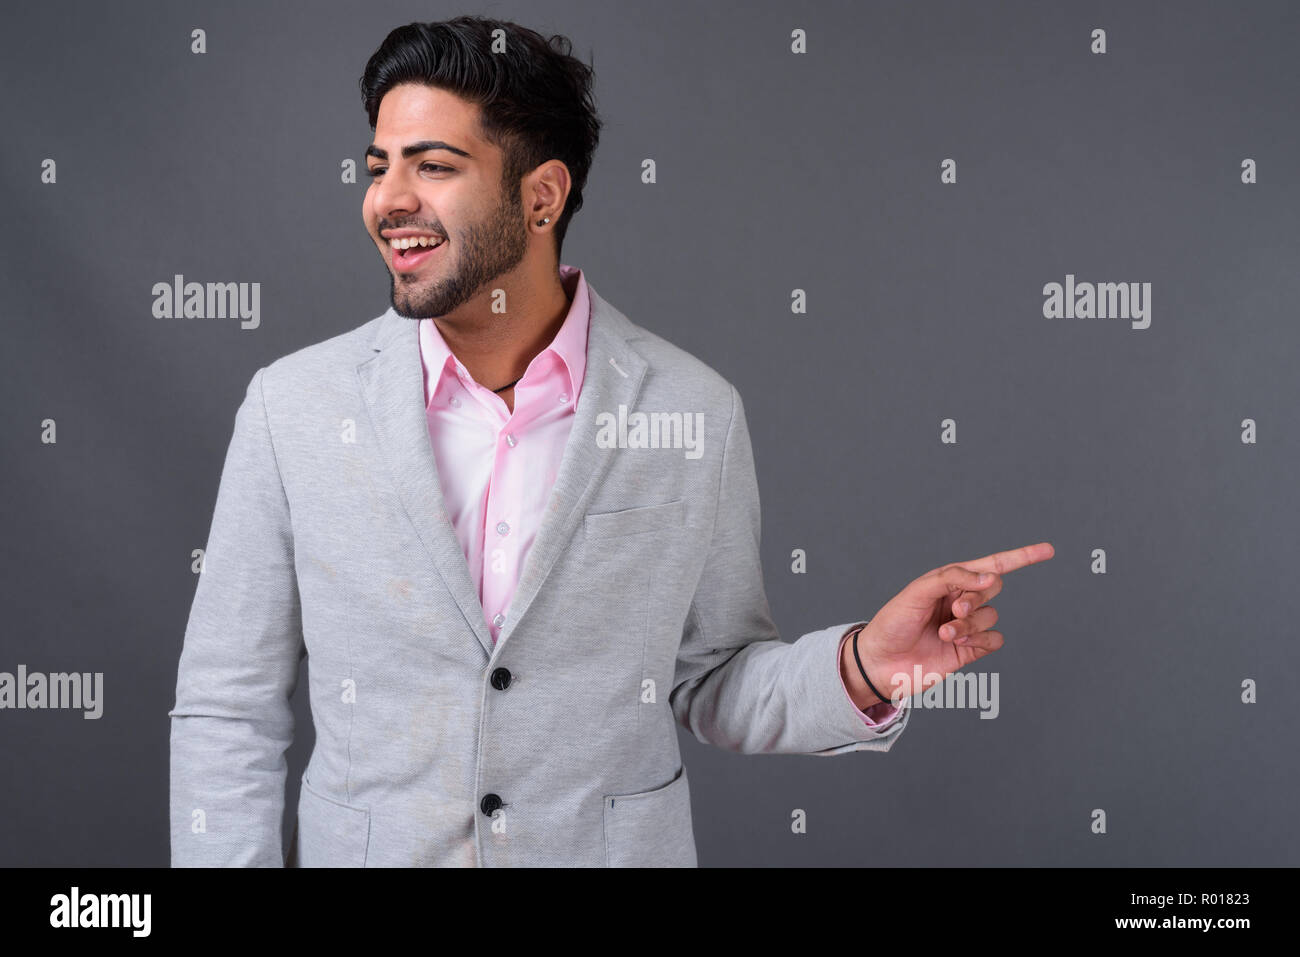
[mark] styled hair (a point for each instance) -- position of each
(535, 99)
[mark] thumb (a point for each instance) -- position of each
(955, 577)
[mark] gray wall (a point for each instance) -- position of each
(776, 171)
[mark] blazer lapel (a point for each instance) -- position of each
(612, 378)
(392, 385)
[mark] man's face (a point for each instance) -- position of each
(449, 195)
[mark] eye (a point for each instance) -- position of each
(375, 171)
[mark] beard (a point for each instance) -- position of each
(483, 252)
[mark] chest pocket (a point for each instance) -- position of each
(631, 521)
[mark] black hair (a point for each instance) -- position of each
(535, 99)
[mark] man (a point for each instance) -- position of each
(507, 601)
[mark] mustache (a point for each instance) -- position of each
(381, 227)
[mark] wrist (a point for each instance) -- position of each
(858, 673)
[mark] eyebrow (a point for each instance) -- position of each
(423, 146)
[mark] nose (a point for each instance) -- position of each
(393, 192)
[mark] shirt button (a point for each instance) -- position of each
(510, 441)
(455, 402)
(499, 619)
(563, 398)
(502, 528)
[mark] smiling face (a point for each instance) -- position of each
(434, 178)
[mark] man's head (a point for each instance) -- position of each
(515, 131)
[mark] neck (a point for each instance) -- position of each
(496, 348)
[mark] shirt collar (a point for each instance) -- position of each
(569, 344)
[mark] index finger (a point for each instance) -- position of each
(1009, 561)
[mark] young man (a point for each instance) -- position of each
(510, 592)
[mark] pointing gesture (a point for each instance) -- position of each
(940, 621)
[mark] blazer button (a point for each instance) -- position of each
(501, 679)
(490, 803)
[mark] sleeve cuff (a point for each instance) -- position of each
(879, 715)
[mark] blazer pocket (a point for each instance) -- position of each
(629, 521)
(330, 833)
(651, 828)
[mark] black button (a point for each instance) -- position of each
(501, 679)
(490, 803)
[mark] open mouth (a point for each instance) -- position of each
(414, 255)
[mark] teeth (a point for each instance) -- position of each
(410, 241)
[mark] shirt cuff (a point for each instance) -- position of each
(881, 713)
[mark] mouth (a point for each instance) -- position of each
(411, 253)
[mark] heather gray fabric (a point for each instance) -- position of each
(640, 607)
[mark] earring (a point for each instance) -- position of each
(544, 221)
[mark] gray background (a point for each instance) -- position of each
(775, 171)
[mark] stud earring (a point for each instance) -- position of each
(544, 221)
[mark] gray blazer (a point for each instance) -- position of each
(640, 607)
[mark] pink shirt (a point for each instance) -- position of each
(490, 459)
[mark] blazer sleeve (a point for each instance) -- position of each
(737, 684)
(232, 721)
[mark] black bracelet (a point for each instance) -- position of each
(858, 659)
